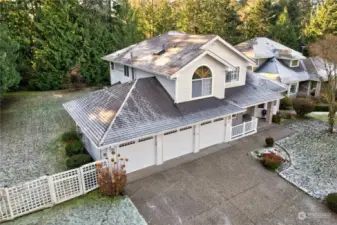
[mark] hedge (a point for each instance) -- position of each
(303, 106)
(331, 201)
(321, 108)
(74, 148)
(78, 160)
(70, 136)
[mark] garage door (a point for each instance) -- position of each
(177, 143)
(211, 133)
(141, 154)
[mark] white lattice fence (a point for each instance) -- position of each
(47, 191)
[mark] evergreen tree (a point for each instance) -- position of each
(323, 21)
(284, 31)
(9, 77)
(259, 19)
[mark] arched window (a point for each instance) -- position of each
(202, 82)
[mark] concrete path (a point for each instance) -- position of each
(227, 187)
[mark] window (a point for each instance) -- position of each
(261, 106)
(293, 88)
(133, 73)
(202, 82)
(112, 65)
(233, 75)
(294, 63)
(233, 116)
(126, 71)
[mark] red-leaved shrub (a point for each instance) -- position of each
(272, 161)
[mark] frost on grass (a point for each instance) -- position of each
(31, 124)
(313, 154)
(92, 208)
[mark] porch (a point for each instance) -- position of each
(248, 127)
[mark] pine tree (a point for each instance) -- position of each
(323, 21)
(284, 31)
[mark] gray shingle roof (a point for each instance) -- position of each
(250, 94)
(315, 68)
(263, 82)
(287, 74)
(94, 112)
(262, 47)
(180, 49)
(147, 109)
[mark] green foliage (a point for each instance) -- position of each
(78, 160)
(9, 76)
(70, 136)
(321, 108)
(269, 142)
(74, 147)
(303, 106)
(331, 201)
(276, 118)
(286, 115)
(284, 31)
(286, 103)
(323, 21)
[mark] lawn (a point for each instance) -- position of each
(322, 116)
(31, 125)
(313, 154)
(92, 208)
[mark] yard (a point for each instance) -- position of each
(31, 127)
(313, 155)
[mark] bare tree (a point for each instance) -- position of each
(326, 49)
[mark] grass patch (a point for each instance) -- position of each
(31, 126)
(320, 116)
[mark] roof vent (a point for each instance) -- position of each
(160, 51)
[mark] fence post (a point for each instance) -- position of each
(52, 190)
(244, 129)
(9, 203)
(80, 181)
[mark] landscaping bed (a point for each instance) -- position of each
(313, 156)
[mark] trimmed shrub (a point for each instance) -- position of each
(269, 142)
(286, 103)
(74, 148)
(303, 106)
(70, 136)
(321, 108)
(78, 160)
(271, 161)
(331, 201)
(285, 114)
(276, 118)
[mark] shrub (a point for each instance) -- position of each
(269, 142)
(271, 161)
(78, 160)
(74, 148)
(331, 201)
(286, 103)
(321, 108)
(276, 118)
(112, 183)
(303, 106)
(285, 115)
(70, 136)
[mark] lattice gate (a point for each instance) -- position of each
(5, 213)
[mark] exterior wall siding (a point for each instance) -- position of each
(117, 74)
(169, 85)
(184, 80)
(233, 58)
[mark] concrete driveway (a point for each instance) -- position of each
(226, 187)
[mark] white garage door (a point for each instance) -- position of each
(141, 154)
(211, 133)
(177, 143)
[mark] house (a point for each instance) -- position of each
(278, 62)
(173, 95)
(315, 66)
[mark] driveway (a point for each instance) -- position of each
(226, 187)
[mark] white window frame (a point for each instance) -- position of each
(292, 63)
(290, 92)
(234, 76)
(203, 92)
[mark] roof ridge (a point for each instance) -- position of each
(119, 110)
